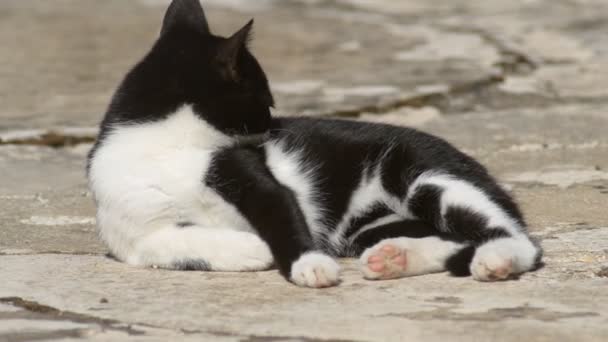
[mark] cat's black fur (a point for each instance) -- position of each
(188, 64)
(227, 88)
(340, 151)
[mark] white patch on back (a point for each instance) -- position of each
(288, 167)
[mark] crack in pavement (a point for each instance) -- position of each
(51, 253)
(494, 315)
(51, 138)
(435, 99)
(27, 336)
(512, 60)
(262, 338)
(45, 312)
(265, 338)
(37, 311)
(513, 57)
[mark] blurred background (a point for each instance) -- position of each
(60, 60)
(521, 85)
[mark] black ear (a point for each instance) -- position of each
(187, 13)
(228, 51)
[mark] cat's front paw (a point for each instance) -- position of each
(316, 270)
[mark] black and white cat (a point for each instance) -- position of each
(191, 172)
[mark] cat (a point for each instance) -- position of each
(191, 172)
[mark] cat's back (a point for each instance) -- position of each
(339, 131)
(358, 140)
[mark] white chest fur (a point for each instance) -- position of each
(148, 176)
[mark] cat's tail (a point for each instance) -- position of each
(198, 248)
(483, 218)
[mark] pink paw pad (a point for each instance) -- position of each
(388, 262)
(501, 273)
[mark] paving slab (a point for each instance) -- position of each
(564, 300)
(45, 203)
(22, 320)
(520, 85)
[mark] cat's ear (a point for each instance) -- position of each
(228, 51)
(186, 13)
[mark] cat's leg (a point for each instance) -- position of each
(196, 248)
(242, 177)
(136, 231)
(468, 213)
(134, 235)
(503, 258)
(402, 249)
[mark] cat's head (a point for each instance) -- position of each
(218, 76)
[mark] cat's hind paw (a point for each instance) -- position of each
(386, 260)
(315, 270)
(504, 259)
(488, 265)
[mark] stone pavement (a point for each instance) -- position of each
(521, 84)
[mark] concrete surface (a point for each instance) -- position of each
(522, 85)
